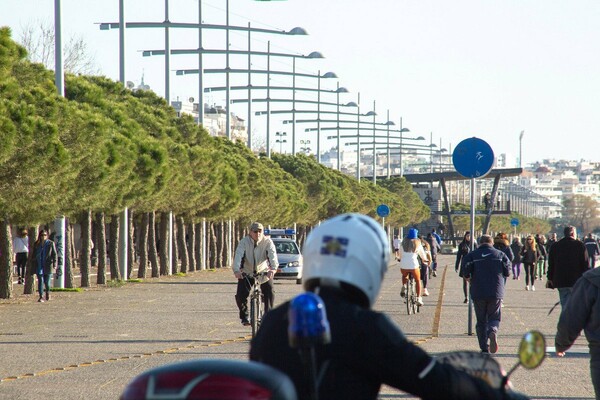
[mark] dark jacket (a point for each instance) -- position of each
(582, 311)
(464, 248)
(592, 247)
(434, 246)
(529, 256)
(46, 252)
(486, 267)
(567, 261)
(367, 350)
(516, 249)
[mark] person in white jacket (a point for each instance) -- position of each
(255, 253)
(410, 251)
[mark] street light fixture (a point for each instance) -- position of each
(280, 139)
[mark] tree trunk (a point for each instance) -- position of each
(183, 253)
(29, 272)
(212, 254)
(143, 246)
(69, 253)
(113, 248)
(198, 250)
(94, 259)
(86, 250)
(152, 251)
(191, 246)
(175, 249)
(6, 260)
(101, 248)
(164, 243)
(219, 244)
(130, 245)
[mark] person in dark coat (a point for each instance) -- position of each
(567, 261)
(592, 248)
(582, 311)
(529, 257)
(434, 248)
(464, 248)
(486, 269)
(44, 263)
(516, 248)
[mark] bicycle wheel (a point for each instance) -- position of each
(254, 313)
(413, 296)
(409, 297)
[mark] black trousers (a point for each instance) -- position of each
(21, 259)
(243, 291)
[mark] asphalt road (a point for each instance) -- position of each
(89, 345)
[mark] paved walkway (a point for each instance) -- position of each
(90, 345)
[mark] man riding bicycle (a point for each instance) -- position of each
(255, 254)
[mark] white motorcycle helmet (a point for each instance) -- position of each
(348, 249)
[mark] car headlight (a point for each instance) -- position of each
(293, 264)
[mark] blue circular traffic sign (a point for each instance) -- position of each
(383, 210)
(514, 221)
(473, 158)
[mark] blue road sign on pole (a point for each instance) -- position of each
(514, 222)
(473, 158)
(383, 210)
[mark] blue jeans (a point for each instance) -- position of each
(563, 294)
(43, 280)
(488, 313)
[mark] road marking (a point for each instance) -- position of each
(220, 342)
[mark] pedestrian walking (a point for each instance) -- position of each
(464, 248)
(516, 248)
(434, 248)
(567, 261)
(529, 257)
(582, 312)
(486, 269)
(44, 263)
(540, 271)
(396, 244)
(21, 249)
(593, 250)
(425, 265)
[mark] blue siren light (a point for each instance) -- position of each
(308, 324)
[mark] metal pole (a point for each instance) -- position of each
(59, 78)
(170, 239)
(339, 157)
(388, 143)
(374, 151)
(249, 131)
(200, 69)
(269, 99)
(203, 264)
(470, 316)
(358, 141)
(124, 225)
(294, 106)
(401, 166)
(167, 56)
(319, 118)
(227, 89)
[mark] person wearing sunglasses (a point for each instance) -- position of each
(44, 263)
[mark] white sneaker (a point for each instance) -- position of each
(527, 287)
(403, 292)
(533, 288)
(419, 301)
(425, 292)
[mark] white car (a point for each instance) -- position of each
(290, 260)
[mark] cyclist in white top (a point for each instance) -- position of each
(410, 251)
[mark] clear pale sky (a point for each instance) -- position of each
(455, 69)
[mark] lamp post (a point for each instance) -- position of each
(388, 124)
(280, 139)
(305, 146)
(374, 114)
(521, 149)
(402, 130)
(338, 91)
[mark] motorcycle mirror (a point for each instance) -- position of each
(532, 349)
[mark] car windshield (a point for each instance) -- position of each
(286, 248)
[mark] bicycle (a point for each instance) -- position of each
(412, 307)
(256, 297)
